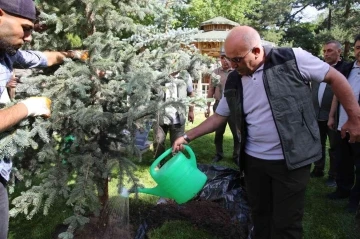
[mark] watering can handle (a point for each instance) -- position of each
(192, 155)
(166, 153)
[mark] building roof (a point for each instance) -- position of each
(220, 36)
(211, 36)
(218, 20)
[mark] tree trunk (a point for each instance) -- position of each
(105, 197)
(103, 183)
(347, 43)
(346, 50)
(329, 18)
(91, 19)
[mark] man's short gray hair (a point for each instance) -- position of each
(337, 43)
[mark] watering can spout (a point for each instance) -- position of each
(157, 191)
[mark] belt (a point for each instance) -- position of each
(3, 181)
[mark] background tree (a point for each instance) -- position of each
(202, 10)
(341, 23)
(270, 13)
(302, 35)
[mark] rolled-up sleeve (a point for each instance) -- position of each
(29, 59)
(223, 108)
(22, 60)
(310, 67)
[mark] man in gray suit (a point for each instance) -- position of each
(322, 98)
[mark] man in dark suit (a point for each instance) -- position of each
(322, 97)
(347, 153)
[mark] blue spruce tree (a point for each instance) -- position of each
(131, 50)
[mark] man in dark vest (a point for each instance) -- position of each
(269, 97)
(347, 152)
(322, 97)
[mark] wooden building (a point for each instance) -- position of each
(214, 32)
(210, 41)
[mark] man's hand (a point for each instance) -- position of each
(331, 123)
(38, 106)
(82, 55)
(12, 82)
(100, 73)
(207, 113)
(352, 127)
(191, 116)
(178, 144)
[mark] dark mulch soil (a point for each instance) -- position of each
(205, 215)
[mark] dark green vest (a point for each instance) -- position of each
(291, 105)
(322, 112)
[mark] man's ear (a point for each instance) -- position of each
(2, 13)
(256, 50)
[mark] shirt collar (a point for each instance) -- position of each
(260, 68)
(356, 65)
(228, 70)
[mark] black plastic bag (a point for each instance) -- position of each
(224, 186)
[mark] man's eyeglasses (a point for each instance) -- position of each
(238, 59)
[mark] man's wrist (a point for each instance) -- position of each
(187, 139)
(69, 54)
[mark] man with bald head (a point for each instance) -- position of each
(269, 98)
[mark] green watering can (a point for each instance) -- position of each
(178, 179)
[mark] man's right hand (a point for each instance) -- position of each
(331, 123)
(207, 113)
(178, 144)
(38, 106)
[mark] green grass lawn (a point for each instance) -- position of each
(323, 219)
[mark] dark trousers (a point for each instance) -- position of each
(348, 177)
(160, 132)
(4, 211)
(276, 196)
(324, 133)
(219, 137)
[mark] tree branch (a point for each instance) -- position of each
(292, 15)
